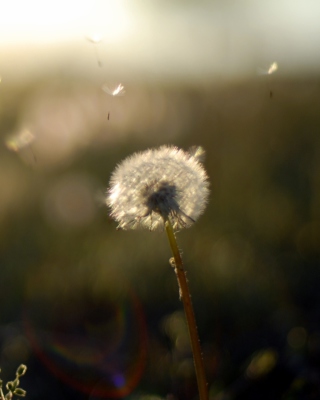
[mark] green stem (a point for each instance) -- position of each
(191, 321)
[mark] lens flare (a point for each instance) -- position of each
(97, 345)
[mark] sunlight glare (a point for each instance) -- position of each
(36, 21)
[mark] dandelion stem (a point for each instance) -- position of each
(188, 308)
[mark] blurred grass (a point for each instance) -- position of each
(252, 259)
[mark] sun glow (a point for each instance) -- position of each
(35, 21)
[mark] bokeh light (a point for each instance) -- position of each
(71, 202)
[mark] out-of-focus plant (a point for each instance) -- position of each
(12, 387)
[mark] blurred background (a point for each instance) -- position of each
(94, 312)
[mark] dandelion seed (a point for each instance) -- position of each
(153, 186)
(118, 91)
(273, 68)
(95, 38)
(270, 71)
(20, 140)
(197, 152)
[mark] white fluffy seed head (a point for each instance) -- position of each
(158, 184)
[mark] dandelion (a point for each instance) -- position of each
(158, 184)
(165, 187)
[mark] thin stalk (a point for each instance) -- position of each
(188, 308)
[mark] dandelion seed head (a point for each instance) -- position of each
(158, 184)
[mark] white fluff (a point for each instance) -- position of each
(149, 187)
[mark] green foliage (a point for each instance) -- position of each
(13, 386)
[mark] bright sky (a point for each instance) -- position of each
(161, 38)
(38, 21)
